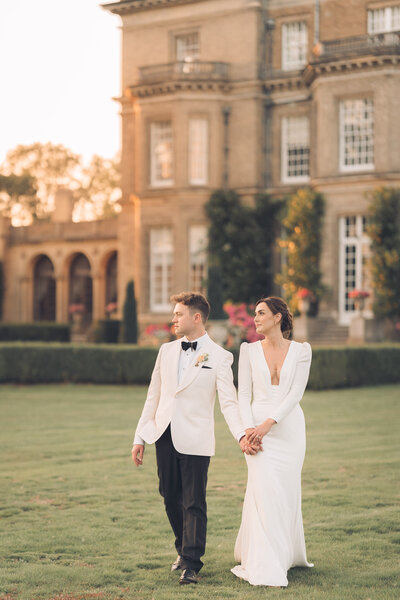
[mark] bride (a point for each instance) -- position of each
(273, 374)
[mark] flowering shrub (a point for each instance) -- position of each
(76, 308)
(157, 334)
(241, 324)
(358, 294)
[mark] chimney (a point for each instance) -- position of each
(63, 206)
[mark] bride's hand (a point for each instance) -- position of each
(256, 435)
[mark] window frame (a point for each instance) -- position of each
(161, 257)
(285, 177)
(154, 181)
(204, 159)
(287, 63)
(365, 166)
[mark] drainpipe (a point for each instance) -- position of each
(226, 111)
(316, 23)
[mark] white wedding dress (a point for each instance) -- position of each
(271, 537)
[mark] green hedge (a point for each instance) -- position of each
(46, 363)
(45, 331)
(107, 331)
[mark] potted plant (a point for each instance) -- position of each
(304, 298)
(359, 297)
(76, 311)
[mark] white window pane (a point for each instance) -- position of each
(187, 47)
(356, 134)
(197, 257)
(198, 151)
(385, 19)
(295, 149)
(161, 256)
(161, 150)
(376, 21)
(395, 18)
(294, 45)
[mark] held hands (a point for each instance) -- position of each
(250, 448)
(255, 435)
(137, 454)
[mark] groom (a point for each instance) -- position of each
(178, 416)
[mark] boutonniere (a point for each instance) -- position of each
(202, 358)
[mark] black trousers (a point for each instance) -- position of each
(183, 482)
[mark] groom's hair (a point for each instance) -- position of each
(195, 302)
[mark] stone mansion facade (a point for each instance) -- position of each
(254, 95)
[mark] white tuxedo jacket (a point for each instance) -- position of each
(189, 406)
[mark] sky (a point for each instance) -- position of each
(59, 70)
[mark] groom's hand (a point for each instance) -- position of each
(137, 454)
(246, 448)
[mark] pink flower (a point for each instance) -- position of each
(76, 308)
(157, 330)
(304, 293)
(111, 307)
(358, 294)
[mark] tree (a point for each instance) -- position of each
(1, 289)
(302, 241)
(241, 244)
(18, 191)
(129, 325)
(215, 293)
(384, 230)
(51, 166)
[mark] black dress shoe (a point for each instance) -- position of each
(188, 576)
(177, 565)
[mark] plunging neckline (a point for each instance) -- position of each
(282, 365)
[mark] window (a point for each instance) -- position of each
(161, 151)
(295, 149)
(382, 20)
(356, 135)
(197, 257)
(187, 47)
(294, 46)
(354, 257)
(161, 258)
(198, 151)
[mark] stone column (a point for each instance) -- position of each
(62, 315)
(26, 295)
(97, 308)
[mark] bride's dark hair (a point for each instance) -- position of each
(278, 305)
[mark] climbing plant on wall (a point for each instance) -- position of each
(384, 230)
(301, 243)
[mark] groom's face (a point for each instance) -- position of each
(184, 320)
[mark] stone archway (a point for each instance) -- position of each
(81, 286)
(44, 290)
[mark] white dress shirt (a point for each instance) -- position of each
(186, 356)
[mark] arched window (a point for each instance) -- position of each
(111, 280)
(80, 286)
(44, 290)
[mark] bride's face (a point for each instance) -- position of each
(264, 320)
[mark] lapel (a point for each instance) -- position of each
(174, 362)
(192, 371)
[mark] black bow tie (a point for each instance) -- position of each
(187, 345)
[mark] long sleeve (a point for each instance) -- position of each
(298, 386)
(245, 386)
(228, 398)
(152, 400)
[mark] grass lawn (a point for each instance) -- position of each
(79, 521)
